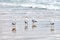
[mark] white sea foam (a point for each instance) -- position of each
(54, 5)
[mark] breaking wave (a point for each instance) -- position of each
(51, 5)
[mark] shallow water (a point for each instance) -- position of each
(41, 32)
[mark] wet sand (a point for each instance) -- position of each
(41, 32)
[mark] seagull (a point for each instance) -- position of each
(13, 23)
(26, 20)
(34, 21)
(52, 21)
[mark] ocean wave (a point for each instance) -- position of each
(32, 5)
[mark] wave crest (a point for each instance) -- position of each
(31, 5)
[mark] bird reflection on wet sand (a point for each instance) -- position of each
(14, 27)
(33, 26)
(26, 27)
(52, 29)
